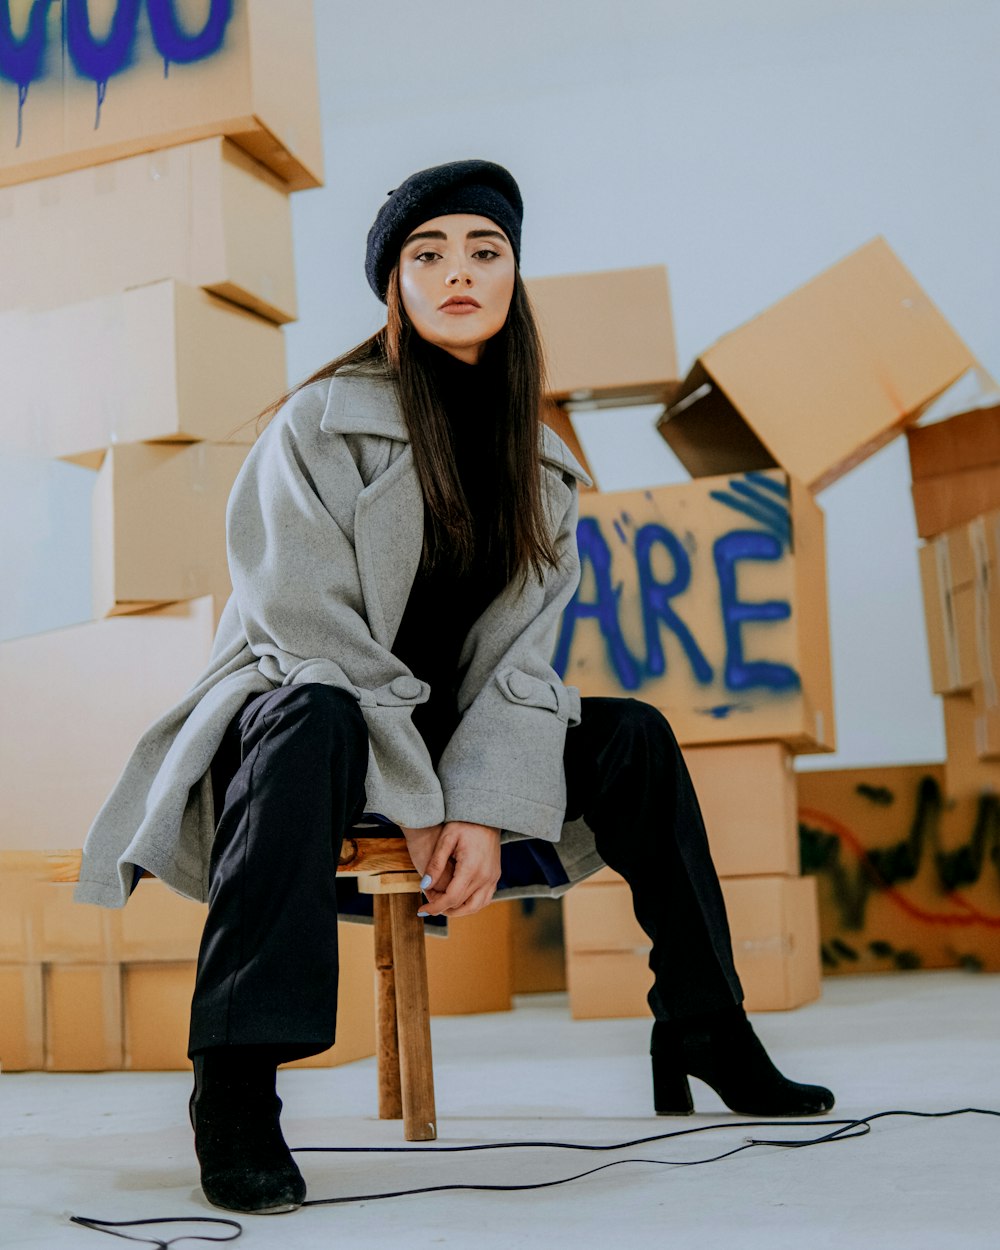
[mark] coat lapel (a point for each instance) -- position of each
(386, 540)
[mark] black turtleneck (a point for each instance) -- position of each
(444, 602)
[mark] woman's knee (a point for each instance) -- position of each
(315, 708)
(638, 722)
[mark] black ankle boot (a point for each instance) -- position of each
(245, 1163)
(722, 1050)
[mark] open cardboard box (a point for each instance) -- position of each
(204, 213)
(249, 73)
(608, 336)
(955, 466)
(708, 600)
(822, 379)
(159, 524)
(160, 362)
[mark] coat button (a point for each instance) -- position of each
(406, 687)
(519, 684)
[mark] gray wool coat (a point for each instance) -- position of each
(324, 530)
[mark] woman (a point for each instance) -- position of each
(402, 544)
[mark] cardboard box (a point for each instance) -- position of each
(967, 440)
(942, 502)
(17, 917)
(159, 524)
(83, 1017)
(471, 970)
(173, 75)
(355, 1000)
(156, 1015)
(537, 949)
(708, 600)
(965, 771)
(203, 213)
(22, 1018)
(948, 582)
(161, 362)
(76, 701)
(601, 918)
(559, 420)
(607, 336)
(902, 876)
(67, 933)
(776, 945)
(608, 984)
(821, 380)
(775, 934)
(986, 723)
(747, 797)
(158, 926)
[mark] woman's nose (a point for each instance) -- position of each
(459, 275)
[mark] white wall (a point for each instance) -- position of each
(745, 144)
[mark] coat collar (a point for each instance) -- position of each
(369, 404)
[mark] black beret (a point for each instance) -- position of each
(473, 186)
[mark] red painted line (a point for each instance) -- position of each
(972, 915)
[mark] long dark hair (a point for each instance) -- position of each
(521, 541)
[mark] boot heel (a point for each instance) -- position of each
(671, 1090)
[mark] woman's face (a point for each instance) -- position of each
(457, 257)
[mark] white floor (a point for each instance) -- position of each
(117, 1146)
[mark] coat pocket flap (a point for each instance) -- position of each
(522, 687)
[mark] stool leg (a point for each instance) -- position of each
(413, 1019)
(390, 1101)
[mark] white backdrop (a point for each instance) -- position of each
(745, 145)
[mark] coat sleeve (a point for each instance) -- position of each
(296, 583)
(503, 765)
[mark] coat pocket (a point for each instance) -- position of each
(530, 691)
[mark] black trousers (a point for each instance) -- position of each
(288, 780)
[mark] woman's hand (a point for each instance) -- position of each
(463, 862)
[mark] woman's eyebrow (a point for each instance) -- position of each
(440, 234)
(425, 234)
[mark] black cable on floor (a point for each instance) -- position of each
(843, 1130)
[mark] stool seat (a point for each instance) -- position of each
(383, 868)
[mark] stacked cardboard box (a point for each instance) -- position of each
(157, 196)
(708, 599)
(956, 497)
(86, 989)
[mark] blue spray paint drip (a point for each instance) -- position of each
(743, 674)
(101, 59)
(722, 710)
(655, 599)
(620, 532)
(21, 60)
(175, 44)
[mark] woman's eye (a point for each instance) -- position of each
(421, 255)
(486, 251)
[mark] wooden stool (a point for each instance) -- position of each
(384, 869)
(402, 1012)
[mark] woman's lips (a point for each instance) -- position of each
(460, 308)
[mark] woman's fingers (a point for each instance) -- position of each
(475, 902)
(438, 861)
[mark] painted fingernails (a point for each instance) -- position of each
(425, 882)
(421, 913)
